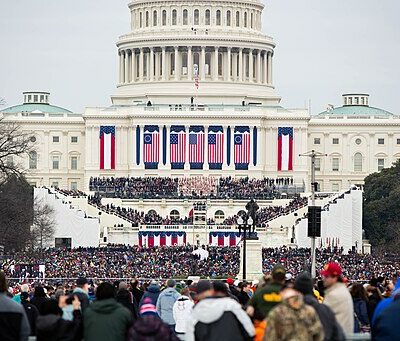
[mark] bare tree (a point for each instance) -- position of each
(43, 228)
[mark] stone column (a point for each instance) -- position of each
(141, 65)
(228, 64)
(241, 65)
(126, 67)
(202, 62)
(151, 65)
(176, 66)
(215, 73)
(265, 58)
(189, 63)
(121, 65)
(258, 69)
(133, 66)
(269, 68)
(251, 65)
(163, 62)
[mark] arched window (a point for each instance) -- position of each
(155, 18)
(208, 17)
(33, 160)
(358, 161)
(174, 215)
(185, 17)
(152, 212)
(219, 216)
(237, 19)
(241, 213)
(218, 17)
(147, 19)
(174, 17)
(164, 17)
(245, 19)
(141, 20)
(228, 18)
(196, 17)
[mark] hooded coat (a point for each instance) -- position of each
(151, 328)
(53, 328)
(106, 320)
(165, 303)
(219, 319)
(153, 291)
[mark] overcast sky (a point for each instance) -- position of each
(324, 48)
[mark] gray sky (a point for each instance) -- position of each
(324, 48)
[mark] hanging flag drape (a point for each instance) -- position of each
(107, 147)
(215, 147)
(241, 139)
(196, 147)
(285, 148)
(161, 238)
(177, 147)
(151, 146)
(224, 238)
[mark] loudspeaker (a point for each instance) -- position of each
(314, 221)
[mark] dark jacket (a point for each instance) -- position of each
(332, 329)
(373, 301)
(360, 309)
(243, 298)
(13, 322)
(151, 328)
(38, 303)
(32, 314)
(54, 328)
(387, 324)
(153, 291)
(106, 320)
(137, 294)
(219, 319)
(126, 298)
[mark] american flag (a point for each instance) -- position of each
(178, 146)
(242, 147)
(196, 147)
(151, 146)
(215, 147)
(196, 76)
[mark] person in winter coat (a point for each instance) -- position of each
(31, 311)
(360, 301)
(293, 320)
(149, 326)
(13, 322)
(136, 292)
(165, 303)
(181, 311)
(82, 292)
(125, 297)
(153, 291)
(106, 319)
(39, 298)
(243, 295)
(51, 327)
(374, 297)
(387, 301)
(332, 330)
(387, 324)
(337, 297)
(217, 317)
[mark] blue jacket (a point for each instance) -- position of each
(153, 291)
(165, 304)
(360, 309)
(387, 324)
(382, 305)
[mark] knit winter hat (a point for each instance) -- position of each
(148, 308)
(303, 283)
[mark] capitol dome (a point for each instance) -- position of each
(207, 50)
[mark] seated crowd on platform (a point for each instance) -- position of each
(282, 305)
(193, 187)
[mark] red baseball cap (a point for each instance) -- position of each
(332, 269)
(230, 281)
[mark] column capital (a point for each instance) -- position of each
(151, 49)
(176, 48)
(229, 48)
(216, 48)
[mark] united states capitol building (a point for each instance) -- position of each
(195, 97)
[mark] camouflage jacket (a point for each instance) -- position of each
(292, 320)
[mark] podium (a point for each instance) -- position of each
(253, 258)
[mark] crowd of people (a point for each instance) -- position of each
(193, 187)
(278, 306)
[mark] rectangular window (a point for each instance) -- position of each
(54, 184)
(317, 164)
(381, 164)
(335, 164)
(56, 139)
(381, 141)
(398, 141)
(74, 162)
(335, 187)
(74, 186)
(56, 162)
(335, 140)
(74, 139)
(317, 140)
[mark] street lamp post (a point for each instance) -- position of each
(244, 225)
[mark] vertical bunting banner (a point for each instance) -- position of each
(138, 145)
(255, 146)
(151, 146)
(196, 147)
(285, 148)
(242, 147)
(164, 145)
(215, 147)
(177, 139)
(107, 147)
(228, 146)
